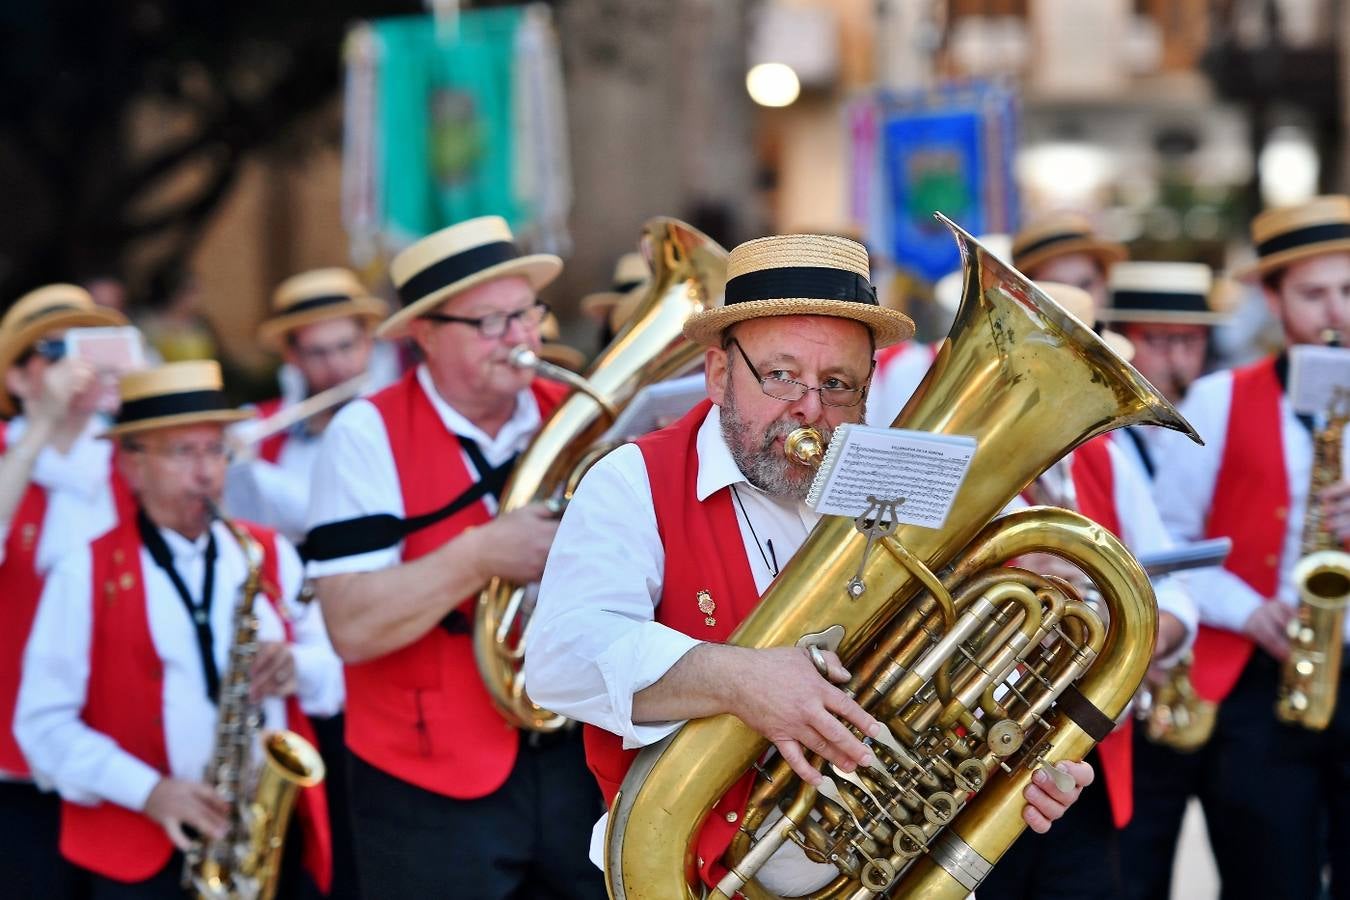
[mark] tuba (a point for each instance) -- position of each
(246, 863)
(688, 276)
(932, 624)
(1311, 674)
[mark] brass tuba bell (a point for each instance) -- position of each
(688, 276)
(931, 657)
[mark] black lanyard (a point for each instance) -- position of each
(1144, 456)
(200, 614)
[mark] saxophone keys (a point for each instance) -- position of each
(1305, 667)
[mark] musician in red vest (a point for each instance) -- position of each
(321, 324)
(1102, 482)
(1167, 311)
(1276, 797)
(446, 795)
(117, 708)
(55, 494)
(669, 542)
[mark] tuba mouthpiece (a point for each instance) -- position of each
(523, 357)
(805, 447)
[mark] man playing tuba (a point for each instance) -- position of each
(668, 544)
(118, 704)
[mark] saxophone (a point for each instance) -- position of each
(1174, 715)
(982, 673)
(246, 862)
(1311, 673)
(688, 275)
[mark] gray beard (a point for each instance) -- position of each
(763, 464)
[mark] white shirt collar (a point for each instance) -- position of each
(524, 420)
(184, 550)
(716, 466)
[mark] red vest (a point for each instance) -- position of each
(270, 449)
(421, 713)
(1094, 487)
(704, 552)
(1250, 505)
(112, 840)
(22, 590)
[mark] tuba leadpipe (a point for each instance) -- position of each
(1030, 383)
(688, 275)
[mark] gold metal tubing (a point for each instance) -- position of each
(1011, 358)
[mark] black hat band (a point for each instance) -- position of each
(315, 303)
(806, 282)
(455, 267)
(1049, 241)
(48, 311)
(1299, 237)
(1158, 301)
(177, 404)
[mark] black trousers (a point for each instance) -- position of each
(346, 885)
(528, 840)
(1276, 798)
(30, 860)
(293, 882)
(1077, 860)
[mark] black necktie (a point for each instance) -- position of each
(199, 613)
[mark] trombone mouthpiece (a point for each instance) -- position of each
(805, 447)
(523, 357)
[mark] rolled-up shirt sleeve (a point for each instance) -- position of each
(593, 642)
(85, 766)
(354, 476)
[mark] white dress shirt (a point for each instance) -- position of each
(593, 641)
(79, 492)
(86, 766)
(1184, 489)
(355, 474)
(276, 494)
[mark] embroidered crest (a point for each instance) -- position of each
(707, 606)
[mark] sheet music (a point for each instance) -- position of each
(656, 406)
(1314, 375)
(922, 469)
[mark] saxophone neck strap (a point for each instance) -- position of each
(198, 612)
(367, 534)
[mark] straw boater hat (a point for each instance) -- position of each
(1178, 292)
(1289, 233)
(316, 296)
(55, 307)
(630, 272)
(455, 259)
(1060, 234)
(1078, 303)
(180, 393)
(799, 275)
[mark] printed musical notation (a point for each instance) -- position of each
(925, 470)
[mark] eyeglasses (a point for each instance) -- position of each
(494, 325)
(789, 391)
(183, 455)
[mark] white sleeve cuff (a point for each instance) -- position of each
(318, 676)
(128, 782)
(634, 662)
